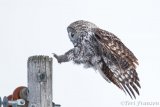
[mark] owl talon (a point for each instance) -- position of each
(56, 56)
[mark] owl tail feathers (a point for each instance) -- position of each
(128, 85)
(129, 89)
(110, 76)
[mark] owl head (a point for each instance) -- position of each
(79, 29)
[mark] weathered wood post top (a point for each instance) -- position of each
(40, 81)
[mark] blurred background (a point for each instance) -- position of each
(38, 27)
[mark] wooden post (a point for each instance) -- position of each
(40, 81)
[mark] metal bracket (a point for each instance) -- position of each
(15, 103)
(19, 102)
(42, 77)
(55, 105)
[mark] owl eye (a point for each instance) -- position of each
(72, 35)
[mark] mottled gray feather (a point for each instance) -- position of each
(103, 51)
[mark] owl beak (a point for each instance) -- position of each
(75, 44)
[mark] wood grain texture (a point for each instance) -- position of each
(40, 87)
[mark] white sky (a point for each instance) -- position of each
(38, 27)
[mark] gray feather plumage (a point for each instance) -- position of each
(103, 51)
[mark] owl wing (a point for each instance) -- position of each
(117, 55)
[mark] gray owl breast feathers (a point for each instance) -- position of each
(103, 51)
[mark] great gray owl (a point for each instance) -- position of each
(103, 51)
